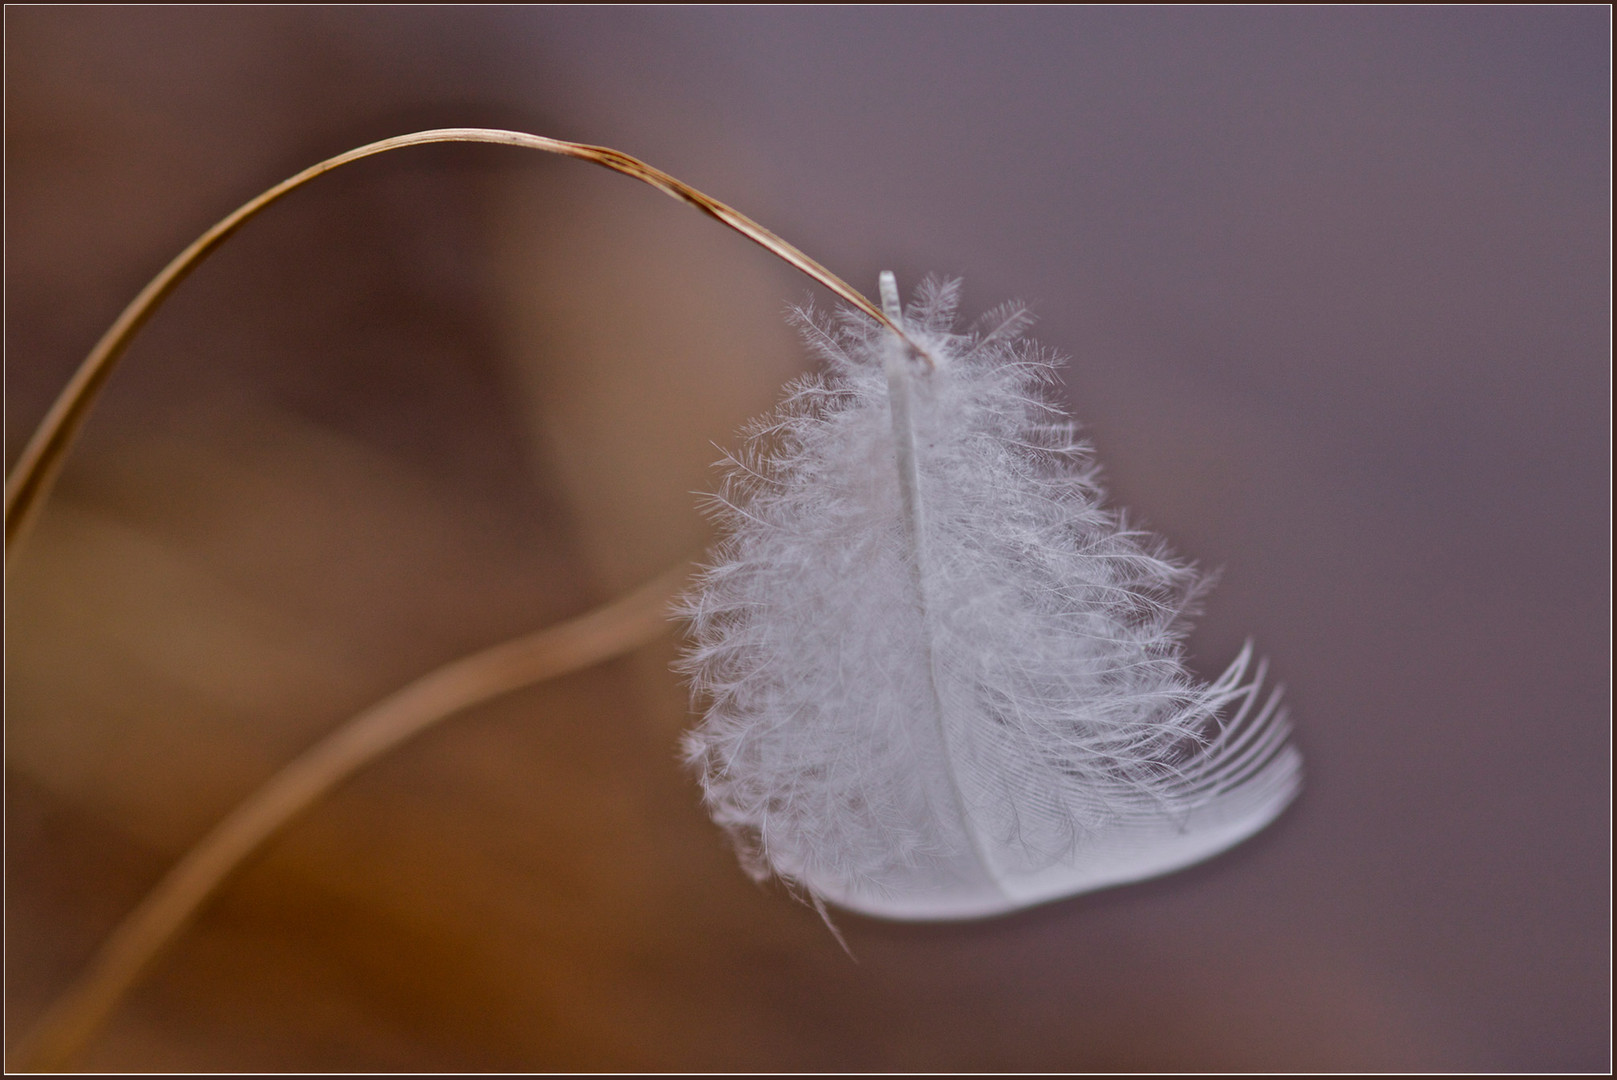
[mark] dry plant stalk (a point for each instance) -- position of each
(600, 635)
(31, 480)
(608, 631)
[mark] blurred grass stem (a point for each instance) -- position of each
(612, 630)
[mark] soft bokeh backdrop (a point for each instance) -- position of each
(1335, 286)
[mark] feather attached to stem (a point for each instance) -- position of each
(942, 679)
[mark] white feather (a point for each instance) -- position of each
(941, 679)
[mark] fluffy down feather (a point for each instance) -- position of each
(941, 679)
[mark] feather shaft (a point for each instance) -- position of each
(900, 403)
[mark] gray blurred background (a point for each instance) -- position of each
(1334, 283)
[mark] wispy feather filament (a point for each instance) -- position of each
(942, 680)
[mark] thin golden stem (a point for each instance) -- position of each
(36, 470)
(608, 631)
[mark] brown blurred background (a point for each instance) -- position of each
(1335, 282)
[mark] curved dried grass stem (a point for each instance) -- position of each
(606, 632)
(41, 460)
